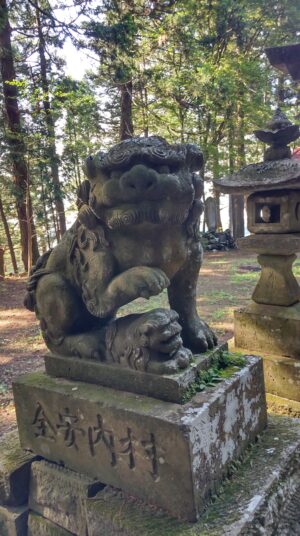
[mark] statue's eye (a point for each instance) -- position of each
(115, 174)
(163, 169)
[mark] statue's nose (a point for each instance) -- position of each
(139, 180)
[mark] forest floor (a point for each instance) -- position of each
(226, 282)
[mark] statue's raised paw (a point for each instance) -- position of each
(140, 282)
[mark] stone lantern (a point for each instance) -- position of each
(270, 325)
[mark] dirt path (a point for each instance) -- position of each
(225, 283)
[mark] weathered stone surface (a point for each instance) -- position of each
(13, 520)
(261, 497)
(169, 387)
(271, 244)
(269, 329)
(276, 174)
(134, 442)
(290, 520)
(14, 470)
(274, 212)
(58, 494)
(277, 284)
(39, 526)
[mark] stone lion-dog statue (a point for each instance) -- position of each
(137, 233)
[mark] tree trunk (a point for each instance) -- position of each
(45, 217)
(8, 238)
(2, 272)
(52, 155)
(237, 201)
(14, 134)
(126, 124)
(216, 174)
(29, 231)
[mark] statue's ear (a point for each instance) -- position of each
(83, 193)
(198, 185)
(89, 168)
(92, 167)
(194, 157)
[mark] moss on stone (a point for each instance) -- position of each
(11, 454)
(223, 366)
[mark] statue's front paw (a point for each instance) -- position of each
(199, 337)
(142, 281)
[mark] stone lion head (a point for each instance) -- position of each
(143, 180)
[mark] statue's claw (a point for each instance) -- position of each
(199, 337)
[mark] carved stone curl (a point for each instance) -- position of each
(136, 234)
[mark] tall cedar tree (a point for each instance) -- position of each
(52, 155)
(15, 141)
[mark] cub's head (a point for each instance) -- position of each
(144, 180)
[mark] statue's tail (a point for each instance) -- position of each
(36, 273)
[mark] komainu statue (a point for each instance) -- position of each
(136, 234)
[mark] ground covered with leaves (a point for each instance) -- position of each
(225, 283)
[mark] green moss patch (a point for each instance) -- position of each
(223, 366)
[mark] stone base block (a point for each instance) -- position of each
(268, 329)
(14, 471)
(169, 387)
(58, 495)
(261, 497)
(172, 456)
(13, 520)
(283, 406)
(282, 376)
(39, 526)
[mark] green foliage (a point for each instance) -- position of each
(222, 367)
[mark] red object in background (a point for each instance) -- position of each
(296, 153)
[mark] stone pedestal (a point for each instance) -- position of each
(170, 455)
(270, 325)
(268, 329)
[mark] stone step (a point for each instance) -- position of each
(59, 494)
(13, 520)
(39, 526)
(14, 470)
